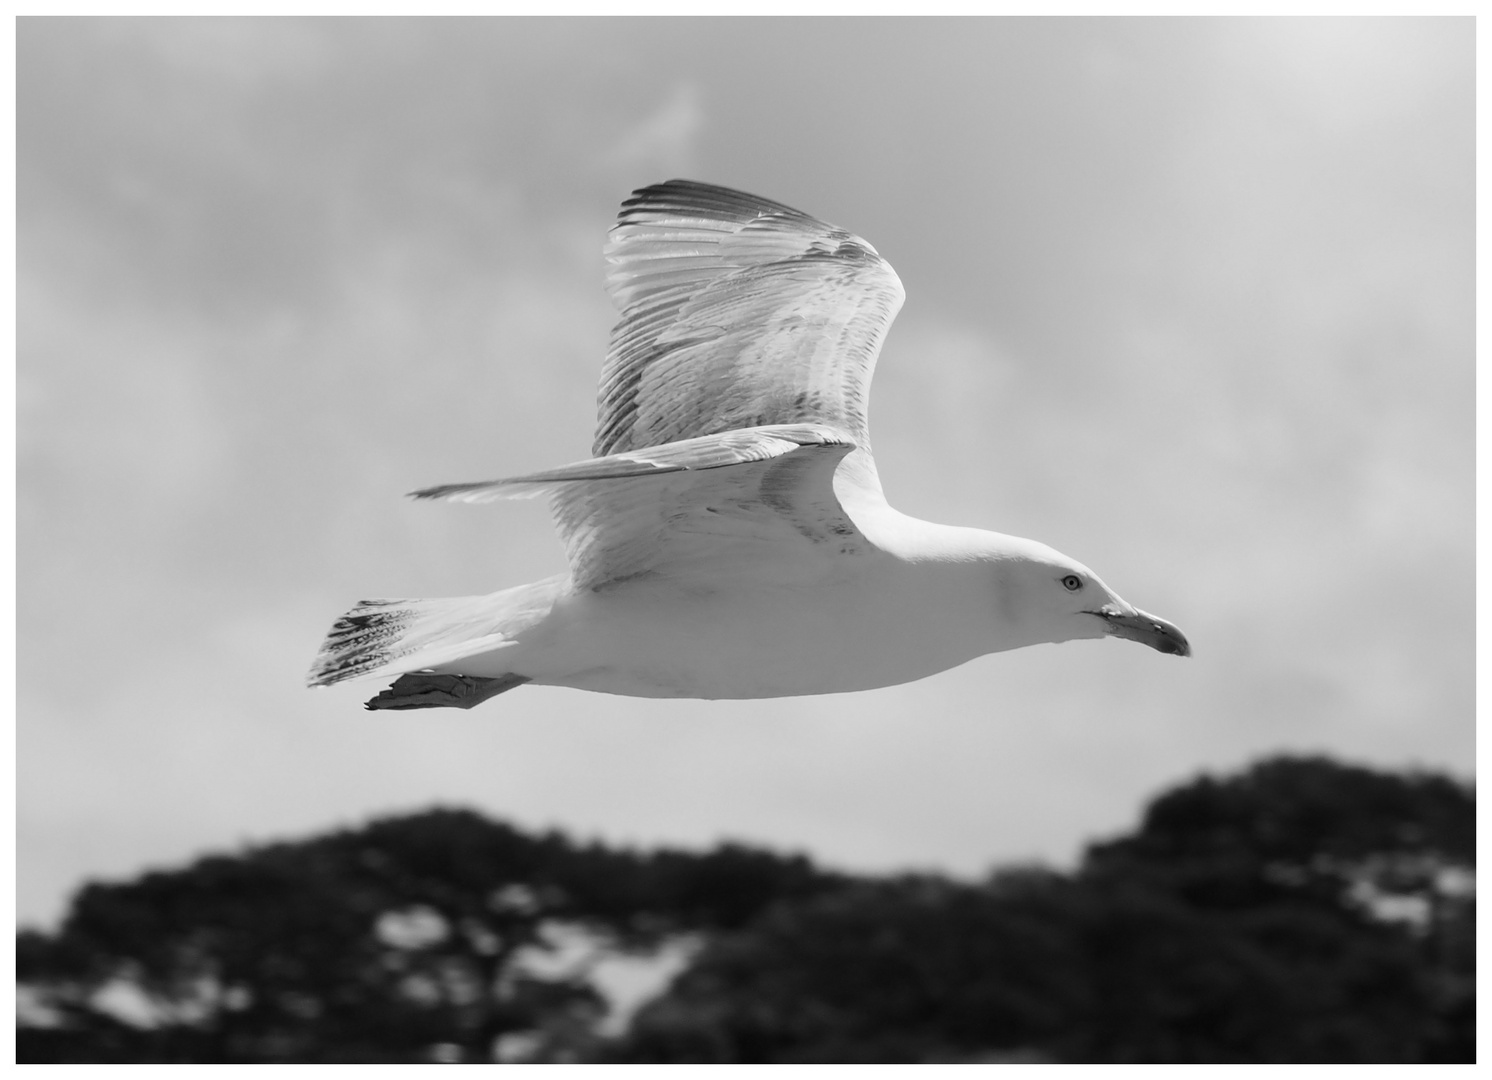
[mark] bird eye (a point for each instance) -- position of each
(1072, 583)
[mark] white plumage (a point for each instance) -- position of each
(729, 538)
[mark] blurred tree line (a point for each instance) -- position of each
(1299, 911)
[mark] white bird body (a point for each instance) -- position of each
(730, 539)
(810, 626)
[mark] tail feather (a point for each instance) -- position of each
(392, 636)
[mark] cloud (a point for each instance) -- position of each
(1189, 300)
(662, 143)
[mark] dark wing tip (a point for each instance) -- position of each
(697, 197)
(442, 491)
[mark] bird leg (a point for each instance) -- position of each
(423, 690)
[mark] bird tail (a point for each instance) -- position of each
(389, 637)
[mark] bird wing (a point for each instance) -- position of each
(735, 384)
(737, 312)
(738, 503)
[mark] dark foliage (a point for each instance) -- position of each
(1300, 911)
(1353, 886)
(1303, 911)
(409, 940)
(1302, 829)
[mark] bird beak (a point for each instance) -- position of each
(1136, 625)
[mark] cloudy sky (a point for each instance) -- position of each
(1191, 301)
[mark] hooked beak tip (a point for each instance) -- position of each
(1136, 625)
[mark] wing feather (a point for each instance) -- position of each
(735, 385)
(737, 312)
(737, 501)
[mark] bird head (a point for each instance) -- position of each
(1051, 597)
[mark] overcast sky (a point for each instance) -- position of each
(1191, 301)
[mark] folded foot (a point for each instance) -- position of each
(425, 691)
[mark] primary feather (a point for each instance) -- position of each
(737, 312)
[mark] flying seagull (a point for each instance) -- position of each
(729, 537)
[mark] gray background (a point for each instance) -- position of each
(1191, 301)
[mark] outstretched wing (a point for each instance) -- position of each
(737, 312)
(735, 385)
(741, 503)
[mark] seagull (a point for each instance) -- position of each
(729, 538)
